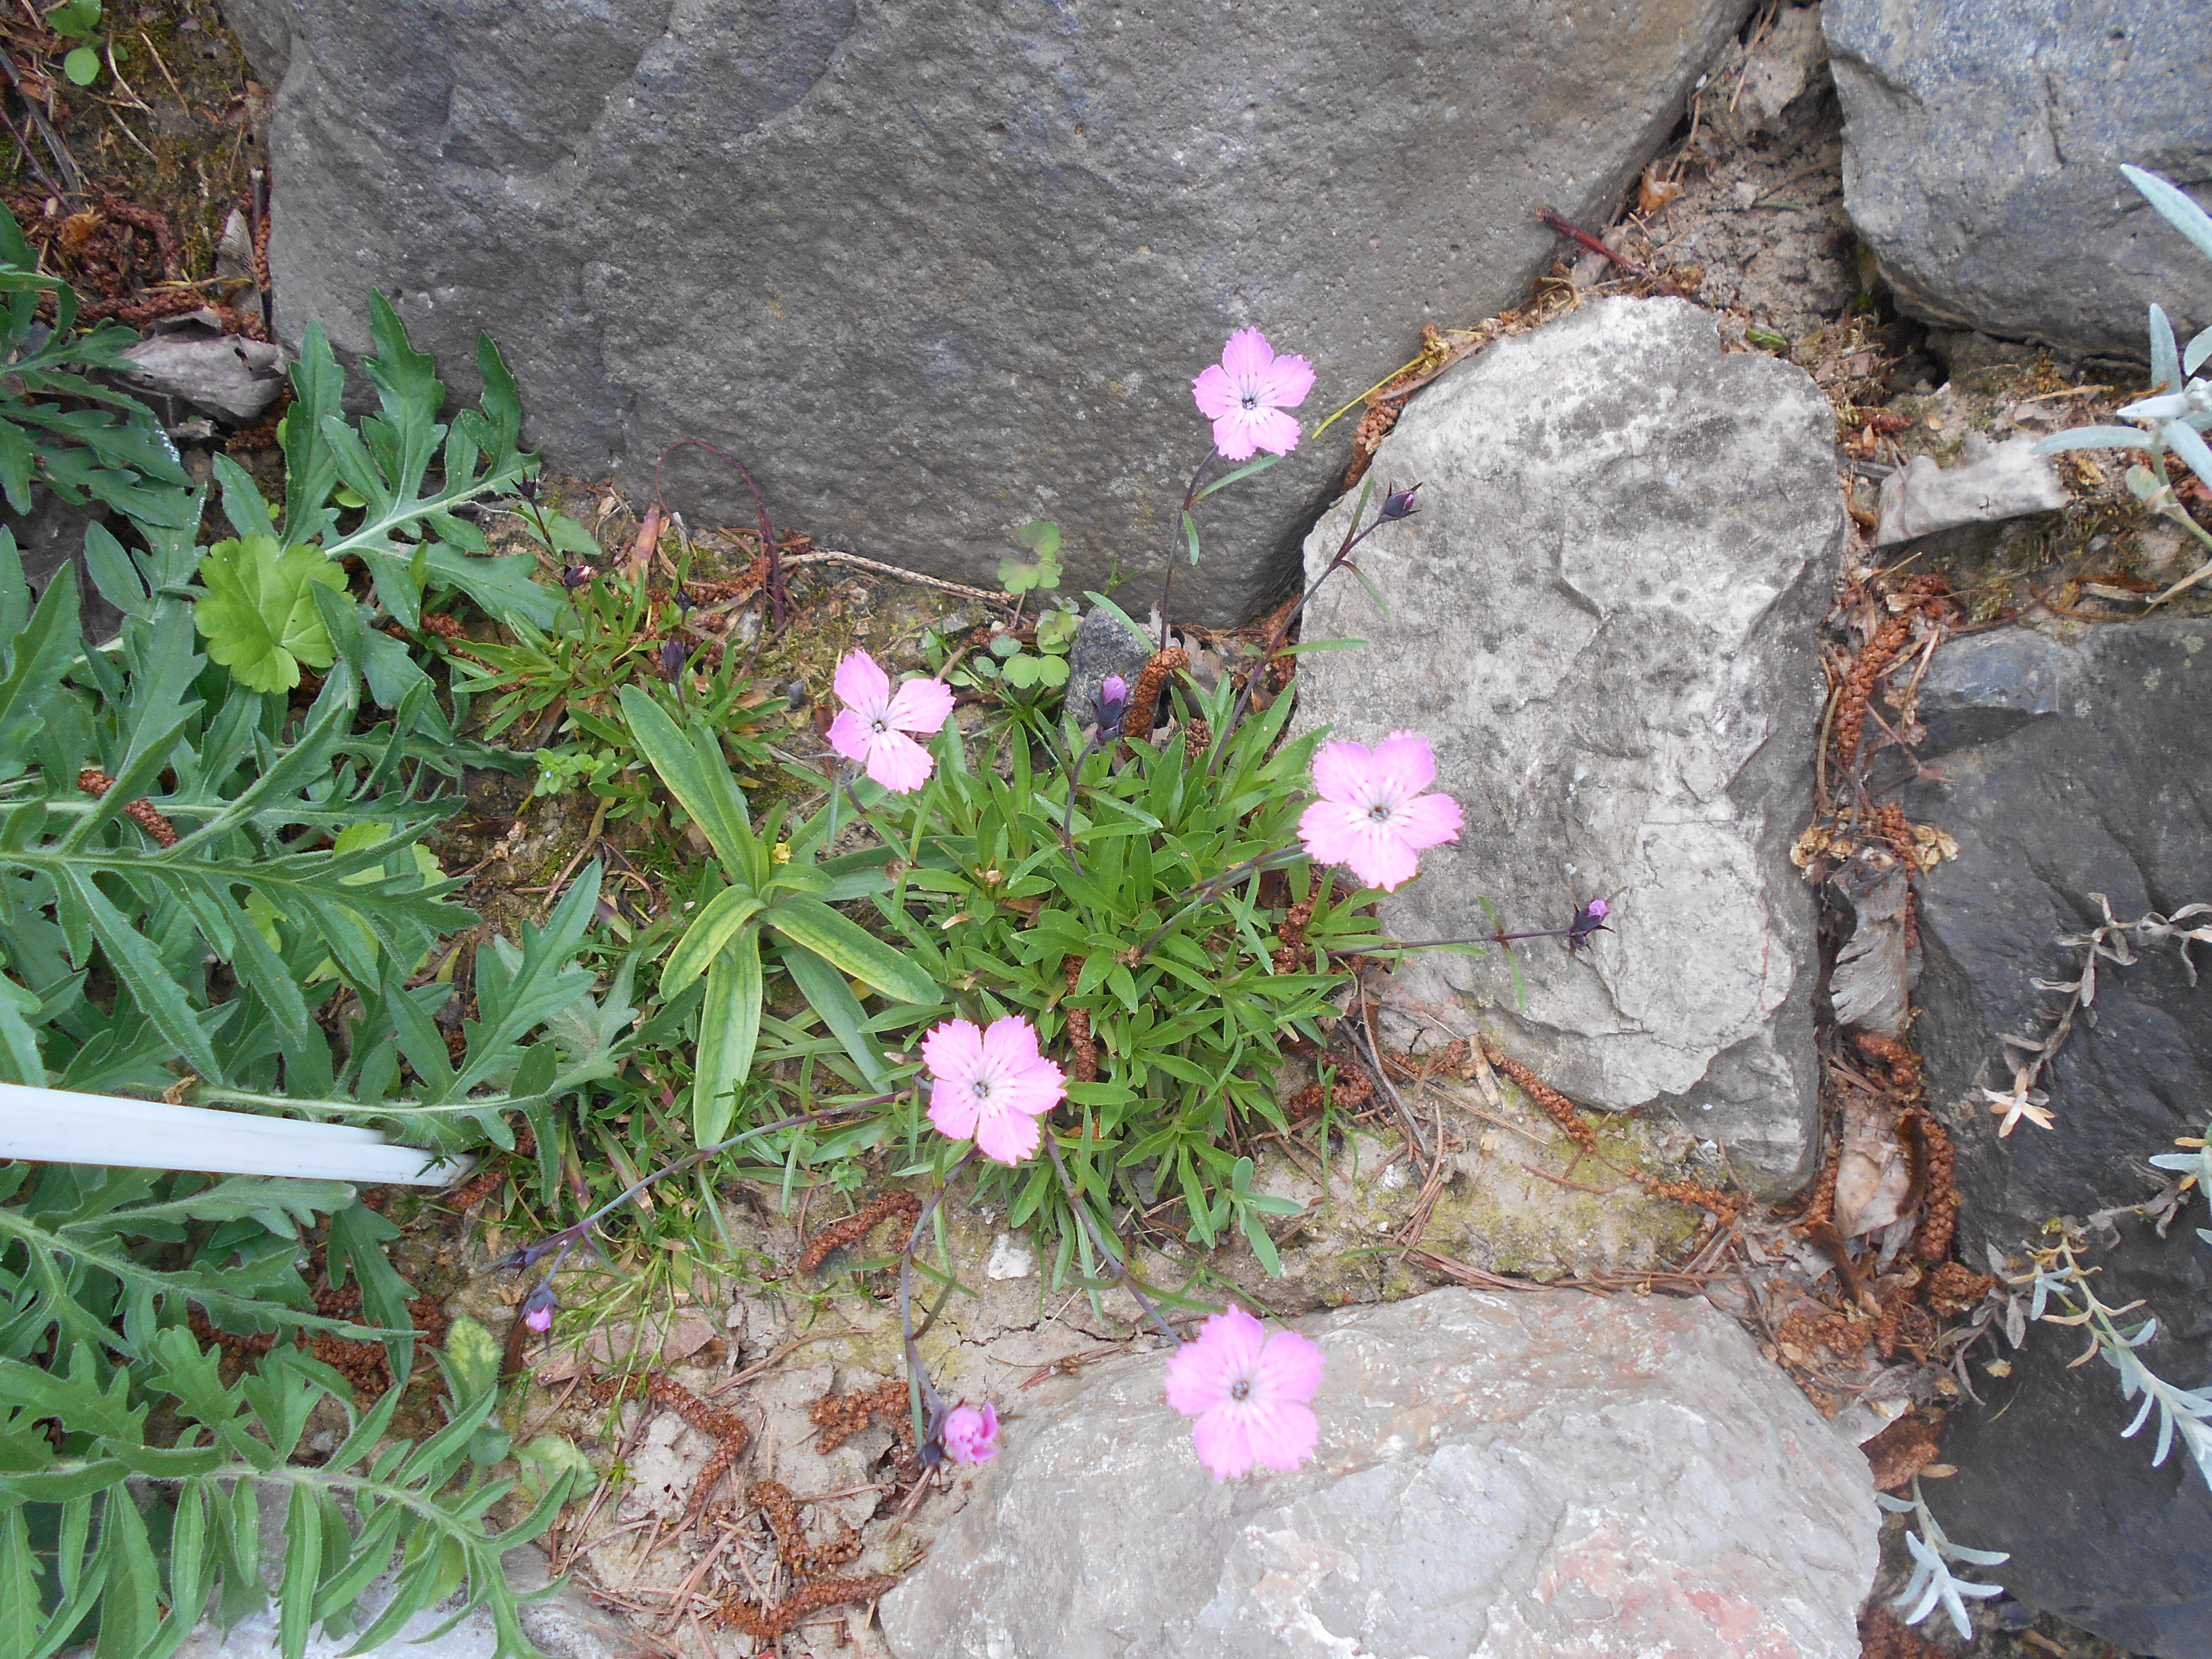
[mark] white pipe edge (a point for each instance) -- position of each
(57, 1125)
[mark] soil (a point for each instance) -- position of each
(1470, 1180)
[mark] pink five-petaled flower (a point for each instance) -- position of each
(991, 1087)
(1248, 1388)
(1244, 395)
(875, 721)
(1372, 815)
(969, 1434)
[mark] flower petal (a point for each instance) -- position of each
(1224, 1444)
(919, 706)
(1286, 382)
(1342, 770)
(1005, 1135)
(862, 685)
(1404, 766)
(1010, 1045)
(1428, 821)
(1380, 858)
(1214, 393)
(1333, 830)
(1232, 437)
(1274, 431)
(954, 1110)
(1247, 357)
(898, 762)
(1289, 1368)
(848, 735)
(1280, 1434)
(953, 1051)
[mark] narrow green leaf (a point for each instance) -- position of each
(813, 924)
(729, 1027)
(710, 930)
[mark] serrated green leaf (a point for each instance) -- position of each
(258, 616)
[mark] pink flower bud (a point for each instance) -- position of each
(969, 1434)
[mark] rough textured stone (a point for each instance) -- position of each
(933, 270)
(1982, 152)
(1602, 619)
(1103, 646)
(1503, 1476)
(2073, 770)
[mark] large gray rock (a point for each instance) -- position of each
(1511, 1476)
(933, 270)
(1982, 149)
(2073, 770)
(1603, 618)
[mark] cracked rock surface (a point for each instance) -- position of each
(1503, 1476)
(1602, 617)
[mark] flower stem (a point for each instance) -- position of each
(1352, 537)
(1119, 1268)
(1210, 888)
(1175, 549)
(915, 1371)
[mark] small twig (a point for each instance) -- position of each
(829, 555)
(1575, 233)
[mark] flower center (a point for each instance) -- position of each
(879, 725)
(1379, 813)
(980, 1087)
(1241, 1389)
(1250, 400)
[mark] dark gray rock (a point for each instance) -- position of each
(1516, 1477)
(1602, 617)
(1103, 646)
(936, 268)
(1982, 148)
(2074, 769)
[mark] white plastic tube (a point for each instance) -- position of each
(55, 1125)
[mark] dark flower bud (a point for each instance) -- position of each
(528, 488)
(673, 657)
(575, 575)
(1590, 919)
(684, 601)
(1398, 503)
(537, 1307)
(1113, 704)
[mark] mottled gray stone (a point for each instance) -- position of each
(1506, 1476)
(1603, 618)
(2069, 769)
(1982, 149)
(935, 268)
(1103, 646)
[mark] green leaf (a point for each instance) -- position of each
(696, 774)
(1043, 571)
(472, 1359)
(712, 928)
(259, 616)
(729, 1029)
(829, 996)
(813, 924)
(82, 65)
(1243, 471)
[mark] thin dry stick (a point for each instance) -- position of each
(826, 555)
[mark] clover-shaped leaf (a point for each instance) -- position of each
(258, 613)
(1018, 577)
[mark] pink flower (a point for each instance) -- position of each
(540, 1319)
(1248, 1388)
(874, 725)
(968, 1434)
(1244, 395)
(991, 1087)
(1372, 815)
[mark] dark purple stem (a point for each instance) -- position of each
(1175, 552)
(776, 597)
